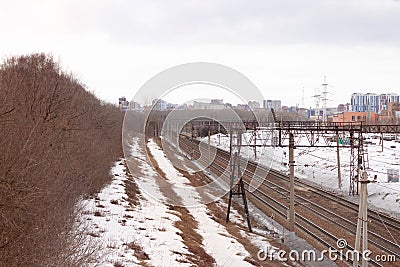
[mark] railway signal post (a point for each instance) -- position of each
(291, 165)
(339, 176)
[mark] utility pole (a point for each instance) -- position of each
(324, 100)
(219, 134)
(317, 98)
(209, 148)
(368, 117)
(255, 142)
(291, 164)
(192, 151)
(236, 172)
(231, 193)
(360, 159)
(362, 223)
(338, 161)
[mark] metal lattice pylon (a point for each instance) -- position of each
(357, 163)
(236, 179)
(353, 163)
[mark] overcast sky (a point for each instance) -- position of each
(281, 45)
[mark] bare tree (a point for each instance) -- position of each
(57, 144)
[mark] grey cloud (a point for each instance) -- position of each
(244, 22)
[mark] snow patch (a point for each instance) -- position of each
(217, 241)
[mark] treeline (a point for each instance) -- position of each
(57, 144)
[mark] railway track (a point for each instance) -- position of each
(320, 214)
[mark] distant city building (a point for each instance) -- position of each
(123, 104)
(386, 99)
(133, 105)
(159, 104)
(217, 101)
(184, 106)
(365, 102)
(275, 104)
(303, 112)
(372, 102)
(288, 109)
(313, 113)
(344, 107)
(283, 108)
(172, 106)
(243, 107)
(392, 114)
(213, 105)
(254, 105)
(122, 100)
(355, 117)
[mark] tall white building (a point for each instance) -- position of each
(159, 104)
(372, 102)
(275, 104)
(385, 99)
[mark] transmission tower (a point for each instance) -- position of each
(317, 99)
(324, 100)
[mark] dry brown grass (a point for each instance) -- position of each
(191, 238)
(138, 251)
(132, 189)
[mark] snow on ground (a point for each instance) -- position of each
(116, 226)
(225, 249)
(319, 165)
(104, 220)
(256, 239)
(145, 234)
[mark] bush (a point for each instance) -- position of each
(57, 143)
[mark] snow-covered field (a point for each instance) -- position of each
(319, 165)
(145, 233)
